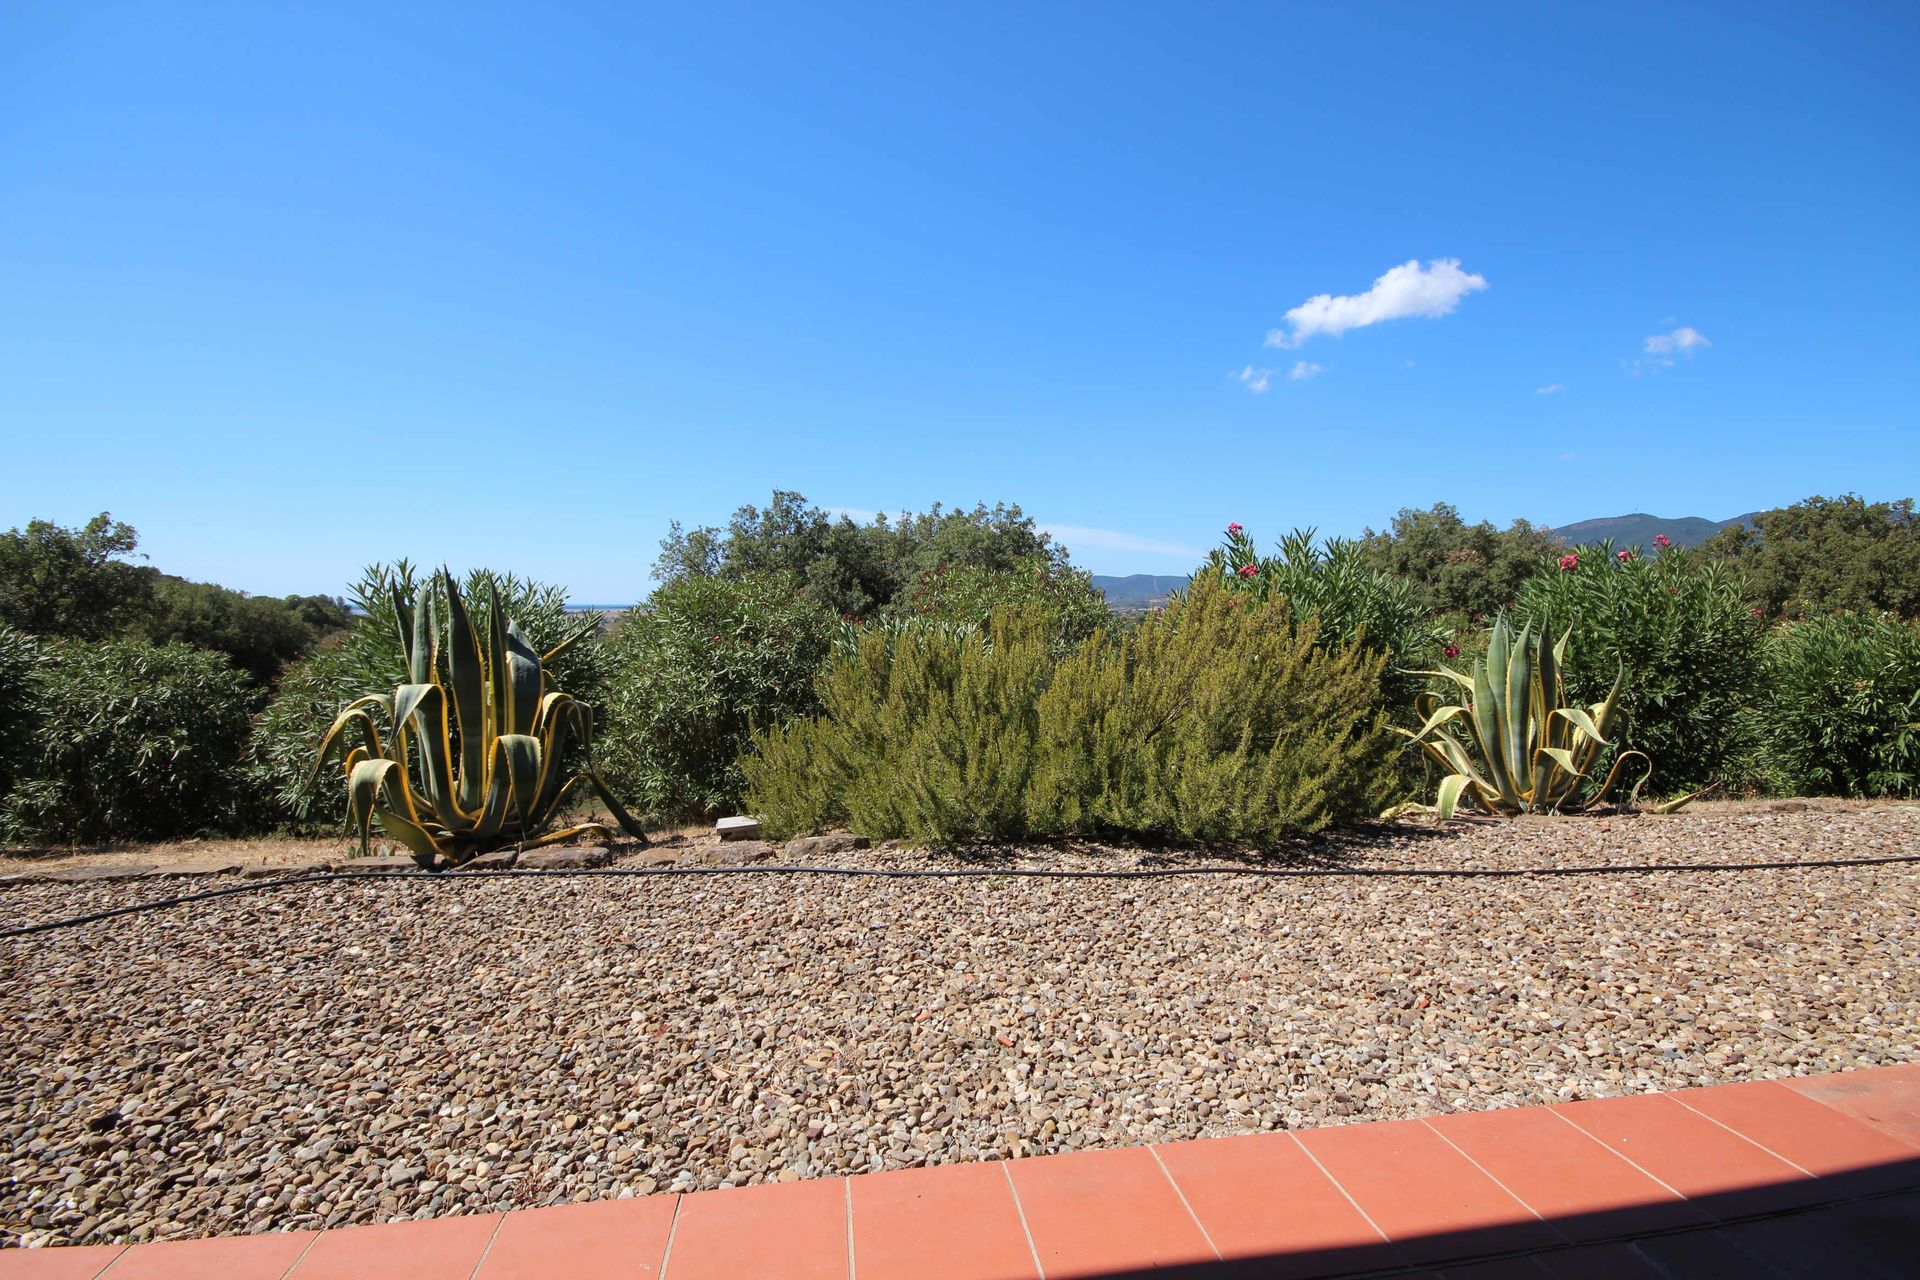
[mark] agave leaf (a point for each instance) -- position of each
(1582, 721)
(467, 666)
(1450, 788)
(522, 668)
(522, 753)
(411, 835)
(626, 820)
(590, 627)
(1564, 758)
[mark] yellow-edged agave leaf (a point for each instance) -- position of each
(1450, 788)
(488, 732)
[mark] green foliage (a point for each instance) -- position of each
(130, 741)
(968, 594)
(1333, 582)
(1515, 745)
(368, 656)
(1828, 554)
(1842, 709)
(852, 569)
(693, 673)
(1209, 720)
(259, 633)
(20, 657)
(1456, 567)
(74, 583)
(469, 753)
(1679, 627)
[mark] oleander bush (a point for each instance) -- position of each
(693, 673)
(1678, 632)
(1842, 709)
(966, 595)
(368, 656)
(20, 655)
(130, 741)
(1210, 720)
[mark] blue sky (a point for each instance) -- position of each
(292, 289)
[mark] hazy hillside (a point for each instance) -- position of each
(1138, 590)
(1638, 529)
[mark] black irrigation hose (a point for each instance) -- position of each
(927, 873)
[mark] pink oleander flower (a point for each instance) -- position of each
(1249, 570)
(1452, 651)
(1233, 529)
(1570, 562)
(1662, 540)
(1759, 613)
(1626, 555)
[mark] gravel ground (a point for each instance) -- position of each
(370, 1051)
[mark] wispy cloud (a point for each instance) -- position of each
(1551, 389)
(1077, 536)
(1254, 380)
(1405, 290)
(856, 514)
(1685, 340)
(1659, 350)
(1304, 369)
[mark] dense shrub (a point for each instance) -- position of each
(20, 656)
(1209, 720)
(967, 595)
(692, 674)
(367, 658)
(130, 740)
(1842, 709)
(260, 634)
(1827, 554)
(1458, 567)
(1680, 629)
(1333, 582)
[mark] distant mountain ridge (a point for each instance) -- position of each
(1138, 590)
(1638, 529)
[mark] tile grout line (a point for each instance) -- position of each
(114, 1261)
(673, 1228)
(1178, 1190)
(1782, 1081)
(846, 1187)
(1744, 1138)
(1496, 1181)
(481, 1261)
(1622, 1156)
(1357, 1207)
(1039, 1269)
(295, 1264)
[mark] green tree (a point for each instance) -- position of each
(56, 581)
(853, 569)
(1827, 554)
(967, 594)
(260, 634)
(1457, 567)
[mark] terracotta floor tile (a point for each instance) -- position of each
(1723, 1173)
(261, 1257)
(81, 1263)
(1585, 1189)
(603, 1240)
(1093, 1212)
(434, 1249)
(1886, 1098)
(1867, 1240)
(955, 1219)
(1428, 1198)
(1810, 1134)
(1707, 1255)
(1262, 1196)
(1600, 1262)
(789, 1230)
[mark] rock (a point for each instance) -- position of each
(826, 845)
(211, 869)
(498, 860)
(572, 859)
(81, 875)
(739, 853)
(737, 828)
(656, 858)
(387, 864)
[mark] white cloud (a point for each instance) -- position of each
(1078, 536)
(1551, 389)
(856, 514)
(1304, 369)
(1405, 290)
(1685, 340)
(1254, 379)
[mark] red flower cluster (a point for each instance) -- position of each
(1626, 555)
(1569, 562)
(1249, 570)
(1662, 540)
(1233, 528)
(1452, 651)
(1759, 613)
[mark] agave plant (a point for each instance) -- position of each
(474, 757)
(1524, 750)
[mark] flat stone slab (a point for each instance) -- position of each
(737, 828)
(830, 843)
(374, 864)
(498, 860)
(80, 875)
(580, 859)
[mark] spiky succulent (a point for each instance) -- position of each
(476, 744)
